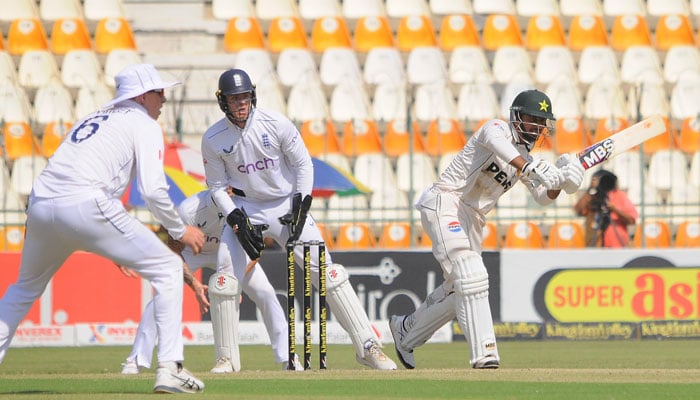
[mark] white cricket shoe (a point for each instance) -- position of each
(223, 366)
(375, 358)
(397, 331)
(297, 364)
(178, 381)
(130, 368)
(487, 362)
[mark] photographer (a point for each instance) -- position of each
(608, 212)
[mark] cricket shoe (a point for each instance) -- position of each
(130, 368)
(178, 380)
(375, 358)
(297, 364)
(223, 366)
(486, 362)
(398, 333)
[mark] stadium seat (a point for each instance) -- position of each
(26, 34)
(493, 7)
(25, 169)
(694, 172)
(629, 30)
(468, 64)
(36, 68)
(567, 235)
(12, 238)
(597, 62)
(658, 8)
(320, 137)
(434, 101)
(404, 8)
(679, 61)
(647, 100)
(257, 62)
(386, 204)
(53, 102)
(624, 7)
(269, 94)
(19, 141)
(269, 10)
(685, 97)
(673, 30)
(389, 102)
(605, 127)
(113, 33)
(664, 141)
(329, 32)
(384, 65)
(544, 30)
(8, 70)
(2, 41)
(316, 9)
(457, 31)
(572, 8)
(360, 136)
(414, 172)
(357, 9)
(53, 135)
(415, 31)
(243, 32)
(501, 30)
(339, 64)
(286, 33)
(91, 98)
(566, 98)
(15, 105)
(444, 136)
(395, 235)
(349, 101)
(490, 236)
(374, 170)
(666, 169)
(344, 209)
(116, 60)
(399, 141)
(587, 30)
(372, 32)
(531, 8)
(652, 234)
(604, 99)
(509, 62)
(640, 64)
(477, 102)
(225, 10)
(356, 235)
(81, 68)
(571, 136)
(426, 65)
(52, 10)
(69, 34)
(689, 136)
(295, 64)
(553, 62)
(688, 234)
(95, 10)
(307, 101)
(524, 235)
(19, 9)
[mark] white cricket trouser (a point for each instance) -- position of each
(255, 285)
(95, 223)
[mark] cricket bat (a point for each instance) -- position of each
(621, 141)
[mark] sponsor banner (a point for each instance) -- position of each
(590, 331)
(670, 330)
(600, 285)
(105, 334)
(43, 335)
(518, 331)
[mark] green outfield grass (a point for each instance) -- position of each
(529, 370)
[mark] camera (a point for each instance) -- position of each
(607, 181)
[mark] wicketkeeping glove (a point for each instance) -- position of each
(296, 218)
(543, 172)
(572, 170)
(250, 236)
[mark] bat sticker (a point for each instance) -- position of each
(597, 153)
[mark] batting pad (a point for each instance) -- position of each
(471, 286)
(347, 309)
(437, 310)
(224, 294)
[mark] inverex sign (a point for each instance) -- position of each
(594, 285)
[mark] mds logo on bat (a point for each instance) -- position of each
(596, 153)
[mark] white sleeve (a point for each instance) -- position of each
(217, 180)
(496, 137)
(152, 185)
(297, 155)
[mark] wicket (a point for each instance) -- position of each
(308, 290)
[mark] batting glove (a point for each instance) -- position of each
(572, 170)
(544, 173)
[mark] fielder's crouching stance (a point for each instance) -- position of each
(453, 215)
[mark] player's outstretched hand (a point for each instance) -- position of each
(544, 173)
(572, 170)
(194, 238)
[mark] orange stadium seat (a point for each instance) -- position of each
(243, 33)
(570, 135)
(355, 235)
(673, 30)
(415, 31)
(69, 34)
(501, 30)
(11, 238)
(360, 137)
(320, 138)
(689, 137)
(330, 32)
(424, 240)
(395, 235)
(372, 32)
(26, 34)
(605, 127)
(566, 234)
(491, 239)
(286, 33)
(19, 140)
(544, 30)
(629, 30)
(113, 33)
(2, 41)
(666, 140)
(444, 136)
(53, 135)
(458, 30)
(586, 31)
(326, 235)
(524, 235)
(688, 234)
(397, 140)
(655, 234)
